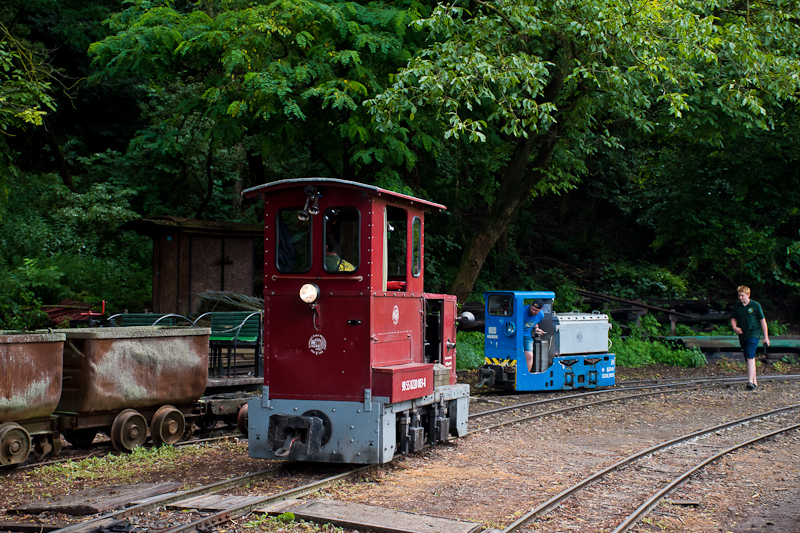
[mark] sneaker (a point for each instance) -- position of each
(751, 386)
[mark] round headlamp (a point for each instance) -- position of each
(309, 293)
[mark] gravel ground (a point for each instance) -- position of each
(493, 477)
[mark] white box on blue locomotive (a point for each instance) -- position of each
(577, 333)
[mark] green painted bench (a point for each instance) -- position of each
(231, 330)
(148, 319)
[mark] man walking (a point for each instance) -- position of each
(746, 318)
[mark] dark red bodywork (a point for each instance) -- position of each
(360, 337)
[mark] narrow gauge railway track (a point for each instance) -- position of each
(764, 378)
(138, 516)
(633, 486)
(144, 515)
(580, 400)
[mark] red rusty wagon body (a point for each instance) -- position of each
(30, 388)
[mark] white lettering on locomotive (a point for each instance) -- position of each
(317, 344)
(413, 384)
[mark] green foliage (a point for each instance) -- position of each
(634, 353)
(26, 81)
(19, 308)
(642, 281)
(639, 349)
(55, 244)
(557, 83)
(687, 331)
(470, 350)
(737, 366)
(701, 200)
(282, 81)
(780, 367)
(790, 359)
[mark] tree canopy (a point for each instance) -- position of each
(635, 145)
(559, 80)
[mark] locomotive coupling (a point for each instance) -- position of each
(298, 434)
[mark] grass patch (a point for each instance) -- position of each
(732, 366)
(123, 468)
(286, 522)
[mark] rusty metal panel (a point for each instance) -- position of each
(30, 374)
(109, 369)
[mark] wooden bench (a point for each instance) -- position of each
(231, 330)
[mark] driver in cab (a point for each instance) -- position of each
(530, 325)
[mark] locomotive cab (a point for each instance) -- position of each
(359, 362)
(572, 352)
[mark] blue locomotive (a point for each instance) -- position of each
(528, 347)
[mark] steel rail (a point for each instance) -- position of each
(771, 377)
(654, 500)
(236, 512)
(556, 500)
(573, 407)
(571, 397)
(172, 498)
(718, 382)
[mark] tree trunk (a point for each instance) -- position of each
(519, 177)
(518, 180)
(58, 155)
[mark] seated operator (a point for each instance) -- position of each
(530, 325)
(334, 263)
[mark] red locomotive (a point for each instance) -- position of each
(359, 362)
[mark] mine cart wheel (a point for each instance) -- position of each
(128, 431)
(81, 438)
(241, 420)
(167, 426)
(15, 444)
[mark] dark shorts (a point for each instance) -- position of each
(527, 344)
(749, 347)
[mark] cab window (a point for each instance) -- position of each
(500, 305)
(342, 239)
(293, 249)
(416, 247)
(396, 248)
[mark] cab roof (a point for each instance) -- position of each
(267, 188)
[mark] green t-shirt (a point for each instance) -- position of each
(747, 317)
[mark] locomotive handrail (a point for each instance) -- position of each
(342, 278)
